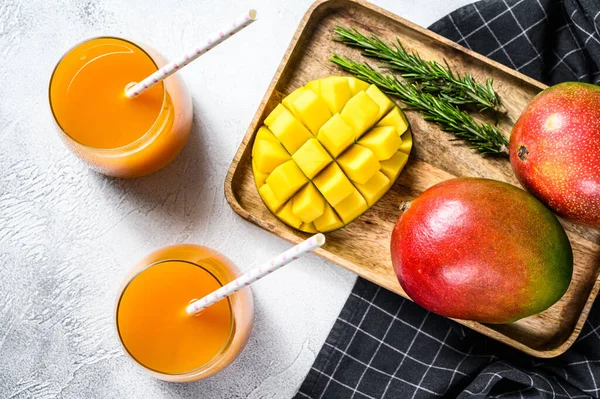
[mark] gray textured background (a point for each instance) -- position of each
(68, 235)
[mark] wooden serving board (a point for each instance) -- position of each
(363, 246)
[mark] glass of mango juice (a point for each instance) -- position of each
(116, 135)
(155, 329)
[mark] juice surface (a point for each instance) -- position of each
(154, 327)
(87, 93)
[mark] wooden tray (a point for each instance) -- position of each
(363, 246)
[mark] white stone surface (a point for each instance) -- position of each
(68, 235)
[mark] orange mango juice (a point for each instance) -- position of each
(157, 332)
(116, 135)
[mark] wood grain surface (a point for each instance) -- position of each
(363, 246)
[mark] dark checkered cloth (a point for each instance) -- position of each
(383, 346)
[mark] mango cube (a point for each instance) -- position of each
(383, 141)
(351, 207)
(328, 221)
(288, 217)
(358, 163)
(385, 104)
(396, 119)
(274, 114)
(259, 177)
(308, 204)
(311, 110)
(360, 112)
(289, 131)
(269, 198)
(288, 101)
(333, 184)
(335, 91)
(393, 166)
(269, 155)
(308, 227)
(357, 85)
(374, 188)
(336, 135)
(407, 142)
(286, 179)
(312, 158)
(314, 86)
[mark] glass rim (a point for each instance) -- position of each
(113, 149)
(212, 361)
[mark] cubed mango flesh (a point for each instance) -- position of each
(383, 141)
(393, 166)
(287, 216)
(289, 131)
(351, 207)
(336, 92)
(407, 142)
(333, 184)
(332, 149)
(396, 119)
(308, 203)
(358, 163)
(336, 135)
(311, 110)
(329, 221)
(385, 104)
(360, 112)
(357, 85)
(269, 155)
(286, 180)
(312, 158)
(374, 188)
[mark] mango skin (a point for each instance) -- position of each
(482, 250)
(555, 150)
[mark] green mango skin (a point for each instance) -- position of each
(482, 250)
(555, 150)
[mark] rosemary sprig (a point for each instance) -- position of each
(486, 138)
(432, 76)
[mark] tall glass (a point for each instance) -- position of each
(154, 328)
(115, 135)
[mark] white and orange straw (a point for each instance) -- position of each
(257, 273)
(212, 41)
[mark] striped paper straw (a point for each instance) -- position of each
(213, 40)
(257, 273)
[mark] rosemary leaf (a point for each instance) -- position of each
(432, 76)
(486, 138)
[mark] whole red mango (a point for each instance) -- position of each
(555, 150)
(481, 250)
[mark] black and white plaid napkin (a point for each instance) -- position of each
(383, 346)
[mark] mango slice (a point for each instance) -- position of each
(312, 158)
(289, 131)
(330, 151)
(359, 163)
(308, 204)
(286, 179)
